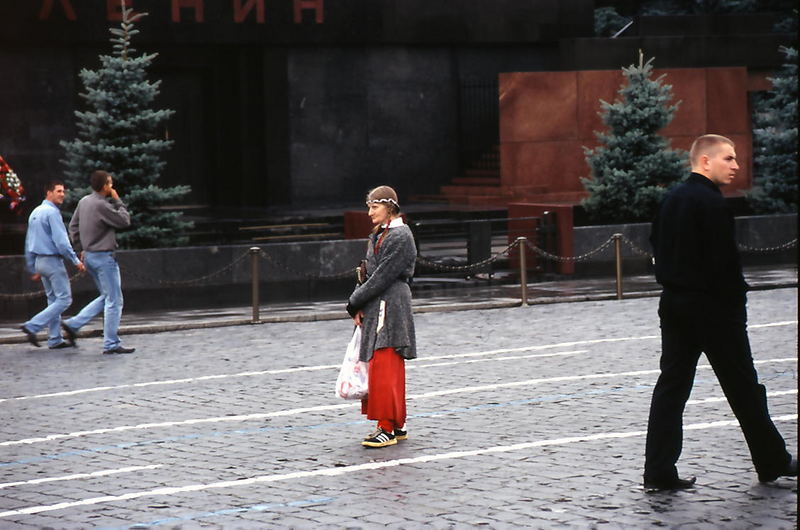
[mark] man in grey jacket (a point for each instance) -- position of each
(93, 231)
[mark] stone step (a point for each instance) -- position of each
(492, 190)
(493, 173)
(476, 180)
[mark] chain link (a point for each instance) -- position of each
(34, 294)
(464, 268)
(563, 259)
(741, 246)
(636, 248)
(420, 259)
(784, 246)
(132, 274)
(193, 281)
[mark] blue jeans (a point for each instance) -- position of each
(59, 298)
(105, 272)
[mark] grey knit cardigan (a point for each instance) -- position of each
(385, 296)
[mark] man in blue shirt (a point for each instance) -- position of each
(46, 247)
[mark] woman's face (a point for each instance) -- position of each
(379, 213)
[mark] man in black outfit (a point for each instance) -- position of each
(702, 309)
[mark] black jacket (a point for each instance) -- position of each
(694, 242)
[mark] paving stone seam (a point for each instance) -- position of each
(171, 490)
(561, 398)
(319, 408)
(335, 366)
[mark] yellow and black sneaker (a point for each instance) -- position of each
(400, 434)
(379, 438)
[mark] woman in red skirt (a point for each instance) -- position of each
(381, 305)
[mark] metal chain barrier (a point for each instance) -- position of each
(464, 268)
(420, 259)
(778, 248)
(633, 246)
(193, 281)
(34, 294)
(132, 274)
(562, 259)
(742, 247)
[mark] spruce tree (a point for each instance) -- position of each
(634, 166)
(118, 133)
(775, 143)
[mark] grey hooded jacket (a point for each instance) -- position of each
(385, 296)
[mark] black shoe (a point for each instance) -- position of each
(119, 349)
(670, 484)
(70, 334)
(61, 345)
(789, 471)
(379, 438)
(400, 434)
(31, 336)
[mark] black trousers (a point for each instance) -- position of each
(692, 323)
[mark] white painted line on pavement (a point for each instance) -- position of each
(723, 398)
(197, 421)
(315, 368)
(102, 473)
(509, 358)
(773, 324)
(320, 408)
(336, 366)
(567, 378)
(536, 348)
(336, 471)
(308, 369)
(172, 382)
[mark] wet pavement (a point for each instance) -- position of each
(519, 417)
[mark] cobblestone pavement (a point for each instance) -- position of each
(519, 417)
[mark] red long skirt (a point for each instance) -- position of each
(386, 401)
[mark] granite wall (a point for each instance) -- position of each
(546, 118)
(278, 106)
(755, 232)
(218, 276)
(211, 276)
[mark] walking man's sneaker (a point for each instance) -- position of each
(31, 336)
(400, 434)
(61, 345)
(119, 349)
(70, 334)
(379, 438)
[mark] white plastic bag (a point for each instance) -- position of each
(353, 381)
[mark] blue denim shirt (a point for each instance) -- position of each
(47, 235)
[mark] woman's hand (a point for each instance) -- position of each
(358, 318)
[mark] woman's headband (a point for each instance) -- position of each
(384, 200)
